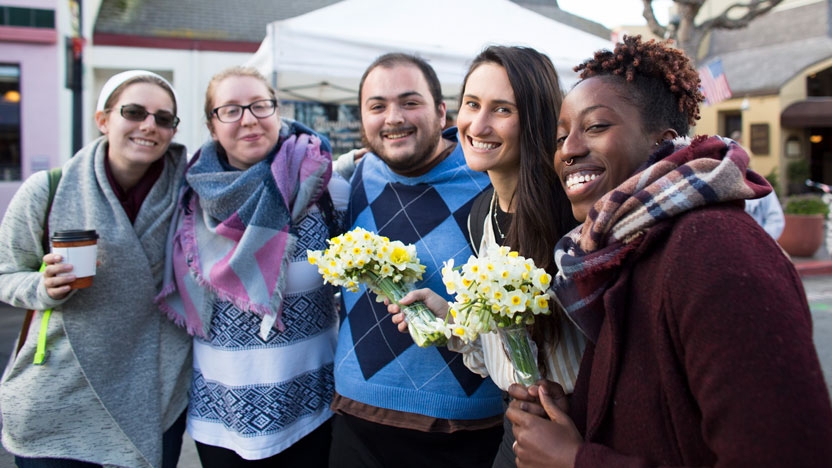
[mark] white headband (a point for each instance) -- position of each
(117, 80)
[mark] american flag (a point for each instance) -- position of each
(714, 84)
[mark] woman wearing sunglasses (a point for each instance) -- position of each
(257, 196)
(112, 389)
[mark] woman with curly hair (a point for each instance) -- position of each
(700, 337)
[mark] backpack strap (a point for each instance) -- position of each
(476, 218)
(54, 176)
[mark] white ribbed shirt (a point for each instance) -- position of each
(486, 356)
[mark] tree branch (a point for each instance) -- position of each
(753, 9)
(652, 23)
(693, 3)
(688, 35)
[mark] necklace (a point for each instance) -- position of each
(495, 216)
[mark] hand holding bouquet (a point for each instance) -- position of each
(388, 268)
(503, 292)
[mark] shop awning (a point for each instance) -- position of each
(811, 112)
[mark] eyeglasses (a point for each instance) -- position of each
(137, 113)
(231, 113)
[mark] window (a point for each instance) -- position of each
(9, 122)
(339, 123)
(819, 84)
(732, 122)
(27, 17)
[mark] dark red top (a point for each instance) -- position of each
(132, 200)
(705, 357)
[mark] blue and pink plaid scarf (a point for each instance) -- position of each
(685, 175)
(232, 240)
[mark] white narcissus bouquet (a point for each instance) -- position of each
(499, 292)
(388, 268)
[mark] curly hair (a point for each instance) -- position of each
(660, 79)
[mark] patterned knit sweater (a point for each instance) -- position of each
(377, 365)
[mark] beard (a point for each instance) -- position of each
(421, 156)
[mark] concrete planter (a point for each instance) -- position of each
(803, 235)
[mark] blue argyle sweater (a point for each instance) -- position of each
(375, 364)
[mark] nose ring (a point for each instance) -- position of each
(569, 161)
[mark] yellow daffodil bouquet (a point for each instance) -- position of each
(499, 292)
(388, 268)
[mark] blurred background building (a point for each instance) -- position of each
(56, 54)
(779, 70)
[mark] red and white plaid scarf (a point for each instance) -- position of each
(685, 175)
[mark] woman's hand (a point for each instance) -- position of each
(436, 303)
(57, 287)
(549, 439)
(529, 398)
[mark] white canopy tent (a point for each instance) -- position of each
(320, 56)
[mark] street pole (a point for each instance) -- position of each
(76, 10)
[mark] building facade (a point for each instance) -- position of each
(186, 41)
(779, 69)
(46, 110)
(32, 91)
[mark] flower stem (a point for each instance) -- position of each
(519, 346)
(421, 323)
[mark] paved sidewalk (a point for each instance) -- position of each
(819, 264)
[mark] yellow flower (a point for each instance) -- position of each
(499, 289)
(388, 268)
(399, 255)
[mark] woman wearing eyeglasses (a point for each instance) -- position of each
(257, 196)
(113, 388)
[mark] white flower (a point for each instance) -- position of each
(499, 289)
(388, 268)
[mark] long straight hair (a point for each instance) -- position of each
(542, 212)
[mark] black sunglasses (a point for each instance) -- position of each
(137, 113)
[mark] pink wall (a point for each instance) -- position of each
(41, 110)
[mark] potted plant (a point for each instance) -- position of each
(774, 180)
(797, 171)
(804, 231)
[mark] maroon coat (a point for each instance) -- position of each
(705, 357)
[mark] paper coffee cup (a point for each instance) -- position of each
(79, 249)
